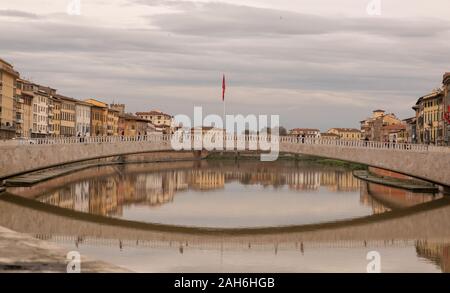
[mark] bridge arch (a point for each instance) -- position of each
(421, 161)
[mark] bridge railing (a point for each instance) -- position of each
(230, 140)
(94, 139)
(363, 144)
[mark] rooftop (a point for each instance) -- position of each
(129, 116)
(434, 94)
(446, 78)
(5, 62)
(5, 66)
(84, 103)
(394, 127)
(345, 129)
(305, 130)
(96, 103)
(153, 112)
(61, 97)
(410, 119)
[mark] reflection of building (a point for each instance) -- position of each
(436, 252)
(306, 180)
(339, 181)
(205, 180)
(81, 201)
(110, 193)
(367, 200)
(396, 197)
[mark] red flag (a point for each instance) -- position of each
(223, 88)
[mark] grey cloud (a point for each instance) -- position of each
(178, 64)
(223, 20)
(18, 14)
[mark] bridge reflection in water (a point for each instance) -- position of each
(399, 218)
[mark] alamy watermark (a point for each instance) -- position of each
(73, 7)
(74, 262)
(374, 265)
(238, 133)
(373, 8)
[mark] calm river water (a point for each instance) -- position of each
(303, 196)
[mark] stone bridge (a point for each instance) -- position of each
(422, 161)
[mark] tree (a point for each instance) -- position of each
(281, 130)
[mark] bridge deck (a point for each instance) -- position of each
(422, 161)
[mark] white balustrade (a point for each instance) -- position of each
(230, 140)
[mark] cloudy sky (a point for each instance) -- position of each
(316, 63)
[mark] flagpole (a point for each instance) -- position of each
(224, 103)
(224, 115)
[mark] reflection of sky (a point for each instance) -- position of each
(251, 205)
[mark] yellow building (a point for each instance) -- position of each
(430, 118)
(67, 115)
(40, 112)
(56, 116)
(346, 133)
(162, 121)
(112, 122)
(8, 77)
(329, 136)
(99, 116)
(24, 109)
(128, 125)
(19, 107)
(305, 132)
(27, 114)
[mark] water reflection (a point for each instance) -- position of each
(347, 256)
(224, 194)
(438, 253)
(218, 194)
